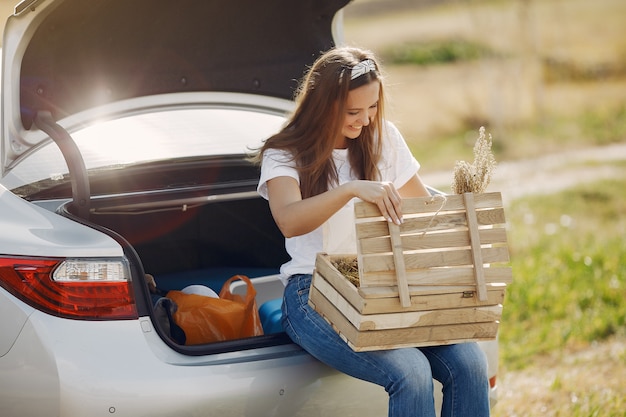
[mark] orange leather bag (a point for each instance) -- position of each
(206, 319)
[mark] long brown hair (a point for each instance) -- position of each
(310, 133)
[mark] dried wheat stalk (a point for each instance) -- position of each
(475, 177)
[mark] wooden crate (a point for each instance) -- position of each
(436, 279)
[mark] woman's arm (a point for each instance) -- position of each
(296, 216)
(414, 188)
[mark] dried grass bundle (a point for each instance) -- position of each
(349, 268)
(475, 177)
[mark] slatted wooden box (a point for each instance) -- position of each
(437, 279)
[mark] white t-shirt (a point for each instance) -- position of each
(337, 234)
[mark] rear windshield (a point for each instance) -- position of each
(157, 136)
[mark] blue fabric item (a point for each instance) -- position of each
(213, 278)
(271, 313)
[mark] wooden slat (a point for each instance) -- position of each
(431, 205)
(398, 260)
(421, 260)
(423, 302)
(442, 276)
(424, 318)
(377, 227)
(453, 290)
(477, 257)
(424, 336)
(423, 241)
(452, 202)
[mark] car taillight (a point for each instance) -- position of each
(88, 289)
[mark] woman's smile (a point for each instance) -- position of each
(362, 106)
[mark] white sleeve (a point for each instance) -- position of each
(276, 163)
(398, 164)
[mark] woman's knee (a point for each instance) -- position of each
(472, 361)
(463, 362)
(411, 368)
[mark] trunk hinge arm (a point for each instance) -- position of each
(81, 193)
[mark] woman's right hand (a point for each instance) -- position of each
(383, 194)
(296, 216)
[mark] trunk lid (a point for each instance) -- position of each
(68, 56)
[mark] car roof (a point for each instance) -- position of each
(67, 56)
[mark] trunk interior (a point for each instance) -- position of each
(199, 235)
(201, 244)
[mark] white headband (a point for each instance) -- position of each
(361, 68)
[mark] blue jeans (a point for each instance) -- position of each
(406, 374)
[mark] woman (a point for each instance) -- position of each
(337, 147)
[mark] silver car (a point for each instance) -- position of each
(125, 130)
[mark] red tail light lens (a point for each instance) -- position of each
(88, 289)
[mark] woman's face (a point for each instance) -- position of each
(361, 107)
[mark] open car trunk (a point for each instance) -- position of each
(199, 235)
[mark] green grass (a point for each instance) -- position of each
(568, 255)
(605, 125)
(444, 51)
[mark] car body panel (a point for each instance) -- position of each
(10, 329)
(129, 379)
(30, 230)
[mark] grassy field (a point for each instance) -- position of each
(563, 331)
(569, 261)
